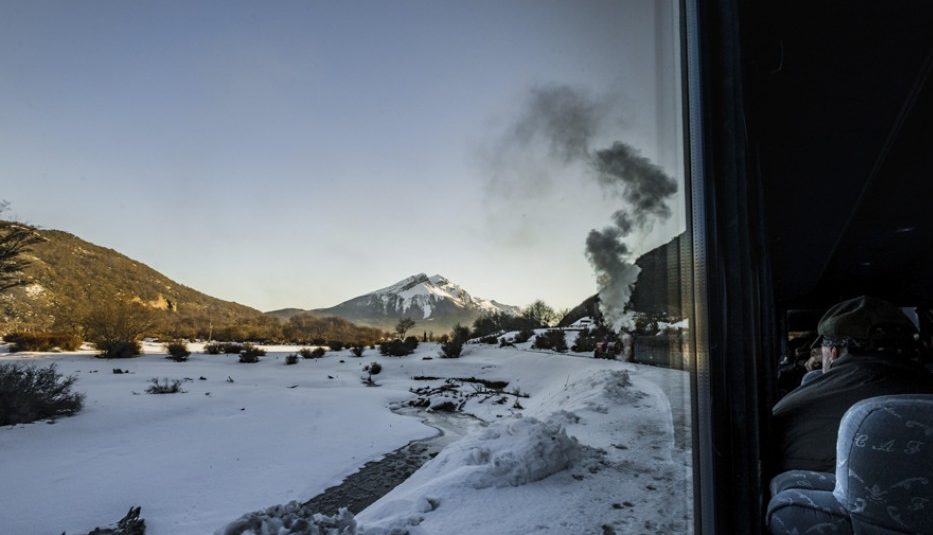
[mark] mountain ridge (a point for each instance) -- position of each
(69, 276)
(434, 302)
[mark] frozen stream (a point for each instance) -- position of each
(376, 478)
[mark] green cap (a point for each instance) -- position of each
(865, 318)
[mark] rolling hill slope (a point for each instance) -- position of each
(71, 276)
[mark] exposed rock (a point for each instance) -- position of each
(130, 524)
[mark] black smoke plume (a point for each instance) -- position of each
(565, 118)
(568, 120)
(639, 181)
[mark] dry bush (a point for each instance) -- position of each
(28, 393)
(117, 327)
(177, 350)
(43, 341)
(165, 386)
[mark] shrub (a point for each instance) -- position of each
(504, 342)
(358, 351)
(412, 342)
(119, 349)
(165, 386)
(251, 354)
(372, 369)
(523, 336)
(291, 359)
(28, 393)
(454, 345)
(489, 340)
(585, 342)
(116, 328)
(177, 351)
(43, 341)
(335, 345)
(251, 348)
(318, 352)
(395, 348)
(553, 340)
(232, 348)
(452, 349)
(499, 322)
(229, 348)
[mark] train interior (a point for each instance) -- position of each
(838, 131)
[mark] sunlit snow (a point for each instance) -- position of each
(597, 443)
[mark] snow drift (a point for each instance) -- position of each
(513, 452)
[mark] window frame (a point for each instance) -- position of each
(734, 321)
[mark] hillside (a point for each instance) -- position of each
(285, 314)
(435, 303)
(71, 276)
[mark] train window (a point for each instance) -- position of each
(243, 246)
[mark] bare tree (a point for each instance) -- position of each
(117, 327)
(540, 312)
(403, 326)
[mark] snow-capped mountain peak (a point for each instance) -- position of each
(420, 297)
(422, 294)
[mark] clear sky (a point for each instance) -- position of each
(298, 154)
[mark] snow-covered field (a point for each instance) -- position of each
(598, 446)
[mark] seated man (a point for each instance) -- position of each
(794, 365)
(868, 350)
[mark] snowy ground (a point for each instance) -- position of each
(597, 447)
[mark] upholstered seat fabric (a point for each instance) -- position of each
(883, 483)
(794, 512)
(802, 480)
(884, 467)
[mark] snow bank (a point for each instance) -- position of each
(513, 452)
(506, 454)
(509, 453)
(594, 449)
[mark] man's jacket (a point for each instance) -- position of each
(806, 421)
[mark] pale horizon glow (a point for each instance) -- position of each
(299, 154)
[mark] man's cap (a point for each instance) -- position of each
(864, 318)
